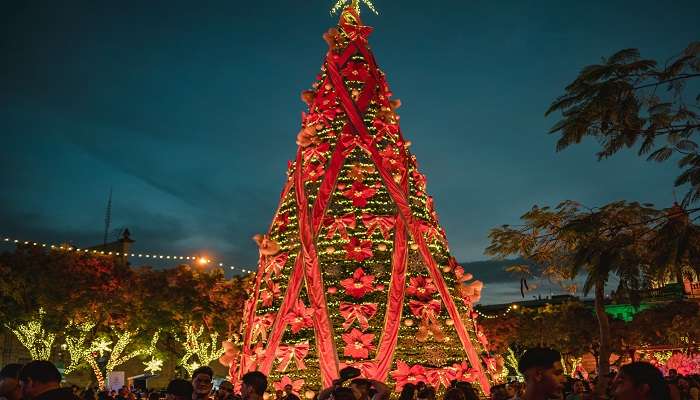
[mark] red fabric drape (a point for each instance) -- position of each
(405, 212)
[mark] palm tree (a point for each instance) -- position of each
(675, 246)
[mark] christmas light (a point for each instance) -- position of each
(198, 259)
(196, 345)
(154, 365)
(34, 337)
(77, 350)
(355, 4)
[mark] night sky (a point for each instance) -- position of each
(189, 111)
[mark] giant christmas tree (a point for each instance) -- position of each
(355, 268)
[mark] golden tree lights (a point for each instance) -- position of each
(118, 353)
(35, 337)
(199, 350)
(77, 346)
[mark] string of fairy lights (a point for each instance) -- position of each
(200, 260)
(503, 314)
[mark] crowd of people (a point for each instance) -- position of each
(541, 368)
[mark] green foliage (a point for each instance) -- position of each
(627, 101)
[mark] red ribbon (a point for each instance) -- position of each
(339, 225)
(297, 352)
(428, 230)
(385, 223)
(357, 312)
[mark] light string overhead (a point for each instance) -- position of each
(508, 310)
(201, 260)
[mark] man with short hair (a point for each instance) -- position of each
(253, 385)
(179, 389)
(202, 382)
(544, 375)
(9, 382)
(640, 381)
(40, 380)
(225, 391)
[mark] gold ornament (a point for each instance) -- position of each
(381, 247)
(330, 250)
(449, 322)
(309, 394)
(414, 246)
(446, 269)
(408, 322)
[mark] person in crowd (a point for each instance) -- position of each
(454, 394)
(253, 385)
(179, 389)
(342, 393)
(289, 393)
(225, 391)
(672, 373)
(640, 381)
(512, 391)
(366, 389)
(498, 392)
(279, 394)
(9, 382)
(543, 372)
(89, 394)
(154, 396)
(202, 382)
(408, 392)
(427, 393)
(40, 380)
(467, 389)
(577, 391)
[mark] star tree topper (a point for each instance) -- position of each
(354, 4)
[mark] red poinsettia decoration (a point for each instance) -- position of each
(392, 159)
(404, 374)
(359, 285)
(356, 71)
(386, 130)
(317, 153)
(359, 193)
(462, 372)
(421, 287)
(419, 180)
(299, 317)
(269, 293)
(314, 172)
(275, 264)
(358, 344)
(358, 250)
(282, 221)
(286, 380)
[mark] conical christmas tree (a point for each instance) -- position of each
(355, 268)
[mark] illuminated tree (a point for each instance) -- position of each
(355, 268)
(34, 336)
(77, 344)
(125, 349)
(200, 348)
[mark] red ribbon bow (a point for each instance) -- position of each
(297, 352)
(339, 225)
(385, 223)
(350, 141)
(357, 312)
(427, 311)
(261, 324)
(356, 32)
(318, 152)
